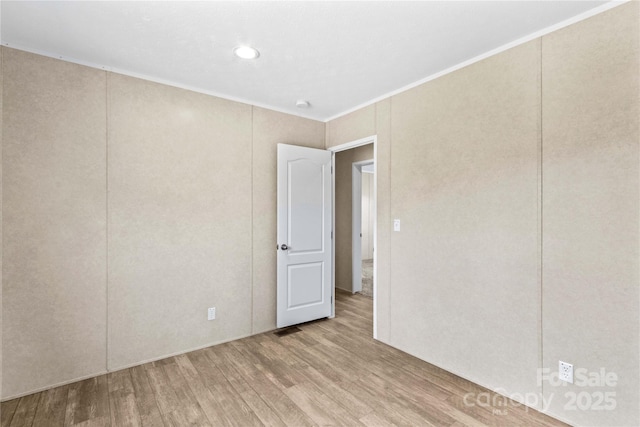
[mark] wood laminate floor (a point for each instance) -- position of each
(330, 373)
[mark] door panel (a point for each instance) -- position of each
(306, 228)
(304, 234)
(305, 284)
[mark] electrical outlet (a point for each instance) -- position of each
(211, 313)
(565, 372)
(396, 225)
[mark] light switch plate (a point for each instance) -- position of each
(396, 225)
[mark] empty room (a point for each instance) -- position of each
(318, 213)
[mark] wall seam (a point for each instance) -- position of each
(107, 107)
(252, 327)
(326, 135)
(387, 227)
(373, 188)
(540, 224)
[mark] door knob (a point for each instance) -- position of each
(284, 247)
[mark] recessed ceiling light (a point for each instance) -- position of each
(302, 104)
(246, 52)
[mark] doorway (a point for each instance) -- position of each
(343, 277)
(362, 225)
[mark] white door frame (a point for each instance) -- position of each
(373, 139)
(356, 223)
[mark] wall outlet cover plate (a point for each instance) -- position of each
(565, 371)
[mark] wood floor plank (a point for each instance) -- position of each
(243, 347)
(199, 364)
(25, 411)
(281, 404)
(277, 349)
(315, 359)
(286, 410)
(95, 422)
(432, 373)
(123, 407)
(52, 407)
(362, 350)
(120, 381)
(459, 416)
(299, 340)
(222, 404)
(145, 399)
(174, 397)
(352, 316)
(88, 402)
(278, 370)
(374, 419)
(341, 358)
(413, 384)
(319, 407)
(263, 411)
(189, 414)
(225, 353)
(445, 383)
(324, 361)
(357, 316)
(481, 414)
(8, 409)
(420, 403)
(210, 405)
(162, 389)
(389, 408)
(358, 407)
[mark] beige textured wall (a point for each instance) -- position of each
(179, 220)
(343, 212)
(382, 280)
(269, 129)
(353, 126)
(54, 222)
(464, 182)
(189, 216)
(464, 276)
(591, 292)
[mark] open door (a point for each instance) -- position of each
(304, 235)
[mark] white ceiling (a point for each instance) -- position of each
(336, 55)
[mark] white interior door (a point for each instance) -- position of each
(304, 235)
